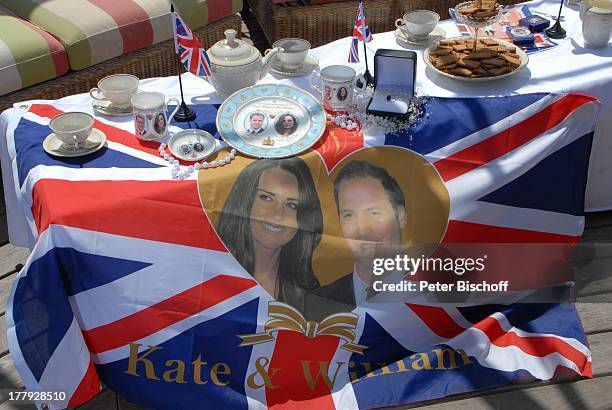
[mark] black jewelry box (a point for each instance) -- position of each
(394, 82)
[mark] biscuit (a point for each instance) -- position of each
(440, 51)
(472, 63)
(447, 59)
(446, 42)
(484, 14)
(488, 42)
(463, 72)
(514, 61)
(499, 70)
(469, 10)
(495, 62)
(480, 55)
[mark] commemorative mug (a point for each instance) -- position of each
(150, 118)
(337, 84)
(116, 88)
(418, 24)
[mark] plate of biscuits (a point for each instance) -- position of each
(492, 59)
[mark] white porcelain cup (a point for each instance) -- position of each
(72, 128)
(294, 52)
(418, 24)
(150, 118)
(596, 23)
(116, 88)
(337, 84)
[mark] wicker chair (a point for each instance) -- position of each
(321, 24)
(157, 60)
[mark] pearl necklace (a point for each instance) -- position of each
(186, 173)
(358, 119)
(344, 121)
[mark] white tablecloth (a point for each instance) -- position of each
(567, 67)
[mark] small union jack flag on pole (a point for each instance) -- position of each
(188, 48)
(361, 32)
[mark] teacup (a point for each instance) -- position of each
(116, 88)
(418, 24)
(596, 23)
(294, 52)
(72, 128)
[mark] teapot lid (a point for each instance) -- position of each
(232, 51)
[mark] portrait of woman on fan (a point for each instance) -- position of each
(272, 222)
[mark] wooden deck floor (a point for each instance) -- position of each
(594, 304)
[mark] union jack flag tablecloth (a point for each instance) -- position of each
(128, 283)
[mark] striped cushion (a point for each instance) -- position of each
(28, 55)
(97, 30)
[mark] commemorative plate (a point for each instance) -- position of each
(271, 120)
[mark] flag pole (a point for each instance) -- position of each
(368, 77)
(184, 113)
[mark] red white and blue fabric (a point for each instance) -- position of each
(126, 255)
(189, 49)
(360, 27)
(354, 52)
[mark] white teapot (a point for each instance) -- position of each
(236, 64)
(596, 22)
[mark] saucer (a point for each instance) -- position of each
(437, 34)
(183, 144)
(309, 64)
(54, 146)
(108, 108)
